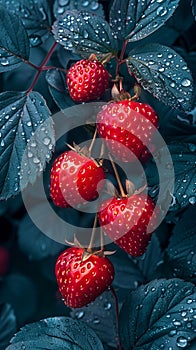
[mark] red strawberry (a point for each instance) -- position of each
(87, 80)
(125, 221)
(127, 126)
(4, 260)
(74, 179)
(81, 281)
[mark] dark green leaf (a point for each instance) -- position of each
(135, 20)
(131, 272)
(182, 246)
(98, 315)
(193, 4)
(90, 5)
(164, 73)
(183, 157)
(159, 315)
(14, 42)
(58, 88)
(84, 33)
(27, 140)
(60, 333)
(35, 244)
(20, 291)
(7, 324)
(36, 16)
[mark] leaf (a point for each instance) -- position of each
(193, 4)
(36, 16)
(7, 324)
(90, 5)
(12, 50)
(58, 88)
(159, 315)
(135, 20)
(84, 33)
(98, 315)
(182, 246)
(26, 140)
(19, 291)
(35, 244)
(183, 157)
(131, 272)
(60, 333)
(164, 73)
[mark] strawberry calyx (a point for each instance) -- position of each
(88, 252)
(84, 152)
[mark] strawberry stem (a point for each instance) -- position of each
(117, 315)
(101, 239)
(93, 141)
(89, 249)
(123, 195)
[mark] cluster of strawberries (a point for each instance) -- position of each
(126, 127)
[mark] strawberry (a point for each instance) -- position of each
(81, 280)
(4, 260)
(127, 126)
(87, 80)
(125, 221)
(74, 179)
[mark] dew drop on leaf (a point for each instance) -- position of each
(46, 141)
(192, 200)
(4, 61)
(96, 320)
(107, 306)
(186, 82)
(181, 342)
(79, 314)
(63, 2)
(161, 11)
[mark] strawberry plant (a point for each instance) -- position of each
(97, 174)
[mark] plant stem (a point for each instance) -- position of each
(42, 67)
(117, 315)
(117, 177)
(93, 141)
(89, 249)
(121, 58)
(101, 239)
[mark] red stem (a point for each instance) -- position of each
(121, 58)
(117, 315)
(42, 67)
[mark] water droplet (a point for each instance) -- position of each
(30, 154)
(4, 61)
(63, 2)
(85, 34)
(46, 141)
(172, 84)
(107, 306)
(36, 160)
(79, 314)
(177, 323)
(33, 144)
(29, 123)
(181, 342)
(85, 3)
(96, 320)
(2, 143)
(172, 333)
(161, 11)
(192, 200)
(94, 5)
(35, 40)
(186, 82)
